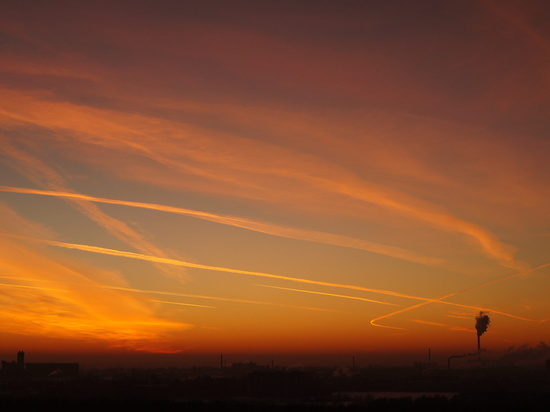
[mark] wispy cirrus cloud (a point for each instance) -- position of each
(327, 294)
(250, 167)
(258, 226)
(45, 175)
(418, 148)
(218, 298)
(441, 325)
(131, 255)
(491, 282)
(45, 295)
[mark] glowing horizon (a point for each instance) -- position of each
(305, 178)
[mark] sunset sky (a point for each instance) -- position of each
(273, 177)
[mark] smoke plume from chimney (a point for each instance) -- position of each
(482, 323)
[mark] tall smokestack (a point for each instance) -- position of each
(482, 323)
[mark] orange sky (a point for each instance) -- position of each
(273, 177)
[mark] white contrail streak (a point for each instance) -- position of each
(165, 293)
(175, 262)
(440, 300)
(326, 294)
(11, 285)
(256, 226)
(246, 301)
(181, 304)
(131, 255)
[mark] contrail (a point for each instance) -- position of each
(131, 255)
(256, 226)
(186, 295)
(180, 304)
(149, 258)
(38, 171)
(327, 294)
(441, 325)
(166, 293)
(32, 287)
(89, 126)
(439, 300)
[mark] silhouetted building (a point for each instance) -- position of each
(20, 369)
(11, 369)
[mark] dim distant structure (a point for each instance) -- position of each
(20, 369)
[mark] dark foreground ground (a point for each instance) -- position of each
(470, 402)
(251, 387)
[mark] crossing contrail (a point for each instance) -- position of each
(440, 300)
(131, 255)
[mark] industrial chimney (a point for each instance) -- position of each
(482, 323)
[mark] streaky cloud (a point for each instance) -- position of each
(219, 298)
(90, 126)
(327, 294)
(42, 295)
(44, 175)
(167, 293)
(181, 304)
(40, 288)
(131, 255)
(440, 300)
(253, 225)
(441, 325)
